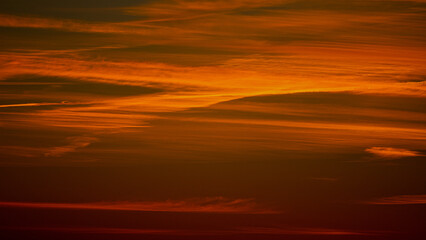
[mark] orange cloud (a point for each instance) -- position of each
(188, 87)
(410, 133)
(265, 50)
(86, 118)
(66, 25)
(400, 200)
(186, 10)
(205, 205)
(75, 143)
(22, 151)
(31, 104)
(392, 153)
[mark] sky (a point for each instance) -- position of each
(213, 119)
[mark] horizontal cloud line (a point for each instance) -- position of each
(196, 232)
(392, 153)
(399, 200)
(201, 205)
(32, 104)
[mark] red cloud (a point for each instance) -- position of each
(400, 200)
(204, 205)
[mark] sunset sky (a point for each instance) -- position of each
(213, 119)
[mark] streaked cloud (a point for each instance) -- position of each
(65, 25)
(74, 144)
(303, 231)
(99, 230)
(202, 205)
(399, 200)
(31, 104)
(281, 101)
(197, 232)
(392, 153)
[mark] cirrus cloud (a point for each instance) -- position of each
(400, 200)
(392, 153)
(200, 205)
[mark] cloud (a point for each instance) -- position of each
(198, 232)
(399, 200)
(99, 230)
(186, 10)
(271, 48)
(66, 87)
(32, 104)
(74, 144)
(65, 25)
(202, 205)
(392, 153)
(301, 231)
(411, 133)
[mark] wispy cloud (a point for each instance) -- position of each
(32, 104)
(184, 88)
(399, 200)
(99, 230)
(295, 89)
(392, 153)
(65, 25)
(198, 232)
(202, 205)
(74, 144)
(271, 47)
(302, 231)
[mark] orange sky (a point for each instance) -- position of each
(192, 115)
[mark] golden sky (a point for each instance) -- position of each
(213, 119)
